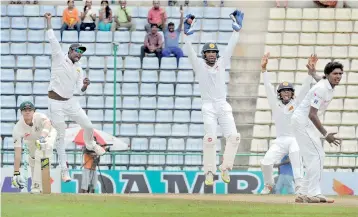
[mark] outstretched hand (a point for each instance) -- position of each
(332, 139)
(48, 16)
(311, 65)
(237, 18)
(264, 61)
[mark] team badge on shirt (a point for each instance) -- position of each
(291, 108)
(78, 70)
(315, 101)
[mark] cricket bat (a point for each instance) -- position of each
(45, 175)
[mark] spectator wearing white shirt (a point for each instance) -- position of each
(88, 17)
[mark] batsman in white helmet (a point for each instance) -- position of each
(35, 130)
(210, 69)
(283, 103)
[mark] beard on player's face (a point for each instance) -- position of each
(74, 56)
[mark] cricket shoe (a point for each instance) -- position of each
(313, 199)
(301, 198)
(324, 199)
(225, 176)
(209, 179)
(35, 189)
(65, 175)
(267, 189)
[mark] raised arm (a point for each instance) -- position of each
(311, 66)
(270, 91)
(16, 136)
(304, 89)
(56, 49)
(181, 20)
(189, 30)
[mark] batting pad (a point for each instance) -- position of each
(209, 153)
(232, 144)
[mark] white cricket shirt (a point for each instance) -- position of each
(26, 132)
(282, 113)
(66, 77)
(319, 97)
(212, 79)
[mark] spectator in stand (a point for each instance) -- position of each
(70, 18)
(88, 17)
(278, 3)
(285, 178)
(171, 39)
(105, 17)
(153, 43)
(156, 15)
(123, 17)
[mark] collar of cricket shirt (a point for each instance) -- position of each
(327, 84)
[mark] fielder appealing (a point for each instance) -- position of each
(35, 130)
(211, 73)
(66, 79)
(308, 128)
(283, 103)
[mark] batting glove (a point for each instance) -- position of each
(237, 18)
(18, 181)
(189, 24)
(41, 143)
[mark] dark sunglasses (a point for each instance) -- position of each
(77, 50)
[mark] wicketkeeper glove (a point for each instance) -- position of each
(189, 24)
(41, 143)
(18, 181)
(237, 18)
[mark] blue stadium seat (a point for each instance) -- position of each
(130, 102)
(32, 11)
(35, 48)
(56, 23)
(5, 22)
(18, 35)
(198, 11)
(83, 102)
(147, 116)
(210, 25)
(110, 62)
(6, 128)
(145, 130)
(134, 49)
(176, 144)
(194, 144)
(108, 89)
(196, 130)
(165, 103)
(122, 36)
(168, 63)
(122, 159)
(185, 77)
(180, 130)
(21, 99)
(104, 49)
(15, 10)
(5, 35)
(192, 160)
(149, 89)
(208, 37)
(138, 160)
(196, 117)
(5, 48)
(7, 61)
(3, 10)
(183, 90)
(24, 88)
(140, 23)
(138, 37)
(196, 103)
(96, 75)
(57, 34)
(225, 12)
(60, 9)
(150, 63)
(7, 75)
(95, 115)
(129, 116)
(184, 63)
(167, 76)
(70, 36)
(109, 102)
(25, 62)
(8, 115)
(95, 102)
(132, 63)
(108, 128)
(175, 160)
(104, 36)
(7, 88)
(149, 76)
(123, 50)
(24, 75)
(148, 103)
(36, 36)
(212, 12)
(10, 101)
(130, 89)
(36, 23)
(48, 9)
(182, 103)
(181, 116)
(42, 62)
(95, 89)
(131, 76)
(158, 144)
(128, 130)
(139, 144)
(96, 62)
(225, 25)
(18, 48)
(41, 101)
(42, 75)
(156, 159)
(196, 90)
(165, 89)
(110, 76)
(108, 115)
(90, 49)
(164, 116)
(162, 130)
(87, 36)
(224, 37)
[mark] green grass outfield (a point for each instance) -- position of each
(78, 205)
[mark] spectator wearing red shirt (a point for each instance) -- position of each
(153, 43)
(156, 15)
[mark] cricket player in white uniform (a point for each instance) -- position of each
(210, 70)
(66, 79)
(35, 130)
(283, 103)
(308, 129)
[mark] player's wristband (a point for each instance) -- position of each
(16, 173)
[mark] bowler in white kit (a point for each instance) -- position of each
(35, 130)
(210, 69)
(308, 129)
(67, 79)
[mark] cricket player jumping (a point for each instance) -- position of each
(307, 129)
(35, 130)
(283, 103)
(66, 79)
(211, 73)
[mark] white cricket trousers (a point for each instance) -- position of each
(57, 111)
(281, 147)
(214, 112)
(312, 152)
(35, 156)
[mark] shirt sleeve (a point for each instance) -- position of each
(16, 136)
(56, 50)
(146, 42)
(270, 92)
(317, 98)
(304, 89)
(129, 11)
(193, 57)
(230, 47)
